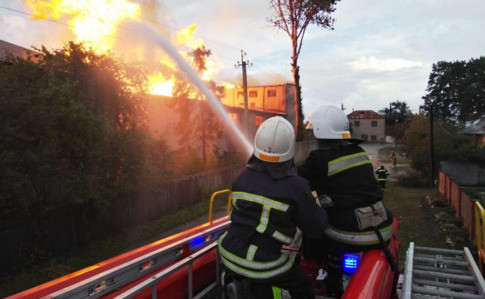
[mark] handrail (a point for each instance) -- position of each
(188, 261)
(480, 232)
(229, 192)
(109, 280)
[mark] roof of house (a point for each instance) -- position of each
(365, 114)
(6, 47)
(475, 129)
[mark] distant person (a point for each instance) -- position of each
(269, 202)
(393, 159)
(382, 175)
(339, 169)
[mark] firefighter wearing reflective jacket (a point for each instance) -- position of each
(340, 170)
(269, 202)
(382, 175)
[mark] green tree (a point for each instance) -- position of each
(293, 17)
(456, 90)
(398, 117)
(198, 127)
(396, 113)
(447, 142)
(73, 134)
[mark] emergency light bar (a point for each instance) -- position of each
(351, 262)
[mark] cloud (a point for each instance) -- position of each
(383, 65)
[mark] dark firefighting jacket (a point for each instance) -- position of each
(382, 174)
(265, 214)
(342, 171)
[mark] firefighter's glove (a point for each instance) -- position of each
(325, 201)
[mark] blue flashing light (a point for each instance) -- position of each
(196, 241)
(351, 262)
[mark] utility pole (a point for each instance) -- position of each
(431, 137)
(245, 63)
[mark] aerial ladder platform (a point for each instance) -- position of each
(441, 273)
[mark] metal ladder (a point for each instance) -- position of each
(441, 273)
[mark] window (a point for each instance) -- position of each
(271, 93)
(373, 123)
(258, 120)
(373, 137)
(357, 123)
(234, 117)
(253, 94)
(365, 137)
(240, 94)
(252, 105)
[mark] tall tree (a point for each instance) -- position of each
(456, 90)
(449, 144)
(197, 126)
(396, 113)
(73, 134)
(398, 117)
(293, 17)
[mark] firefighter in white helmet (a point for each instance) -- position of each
(341, 173)
(269, 201)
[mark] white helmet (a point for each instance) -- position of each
(275, 140)
(329, 122)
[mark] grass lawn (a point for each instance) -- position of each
(418, 224)
(104, 249)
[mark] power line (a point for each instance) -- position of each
(54, 21)
(118, 25)
(76, 12)
(128, 29)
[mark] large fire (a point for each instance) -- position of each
(92, 21)
(96, 22)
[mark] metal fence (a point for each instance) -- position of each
(457, 197)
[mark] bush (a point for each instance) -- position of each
(412, 179)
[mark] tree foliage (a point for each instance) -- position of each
(294, 17)
(456, 90)
(397, 112)
(198, 128)
(448, 143)
(398, 117)
(73, 133)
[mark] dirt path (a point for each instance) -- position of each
(373, 153)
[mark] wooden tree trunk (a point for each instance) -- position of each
(298, 106)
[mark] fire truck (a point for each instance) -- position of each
(186, 265)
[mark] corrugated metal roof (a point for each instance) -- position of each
(475, 129)
(6, 47)
(365, 114)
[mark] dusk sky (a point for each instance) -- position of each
(380, 50)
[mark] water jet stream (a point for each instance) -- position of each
(151, 33)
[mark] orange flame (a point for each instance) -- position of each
(95, 23)
(160, 85)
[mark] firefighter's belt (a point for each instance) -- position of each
(251, 236)
(371, 216)
(359, 238)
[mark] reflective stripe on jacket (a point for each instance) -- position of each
(265, 214)
(359, 238)
(343, 163)
(382, 174)
(247, 266)
(344, 173)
